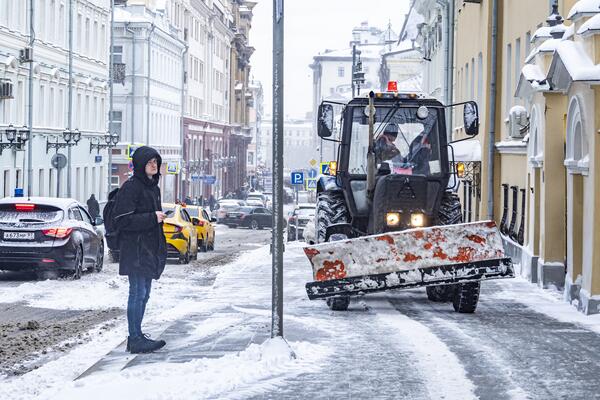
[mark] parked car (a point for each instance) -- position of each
(254, 203)
(298, 220)
(181, 235)
(204, 227)
(249, 217)
(225, 205)
(256, 196)
(49, 236)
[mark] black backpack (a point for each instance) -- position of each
(111, 232)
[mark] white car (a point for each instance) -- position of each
(310, 236)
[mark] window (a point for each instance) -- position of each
(185, 216)
(117, 120)
(340, 72)
(527, 43)
(85, 216)
(42, 109)
(75, 214)
(6, 183)
(117, 54)
(87, 35)
(41, 182)
(517, 63)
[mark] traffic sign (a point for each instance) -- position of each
(173, 168)
(59, 161)
(312, 173)
(324, 168)
(313, 162)
(297, 178)
(311, 184)
(210, 179)
(131, 148)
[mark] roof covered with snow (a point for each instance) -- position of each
(541, 33)
(592, 26)
(584, 8)
(532, 72)
(577, 62)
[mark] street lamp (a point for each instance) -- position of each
(110, 140)
(11, 133)
(15, 138)
(70, 137)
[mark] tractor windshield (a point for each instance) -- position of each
(405, 138)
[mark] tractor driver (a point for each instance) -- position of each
(384, 147)
(416, 161)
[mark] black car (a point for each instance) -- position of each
(249, 217)
(49, 236)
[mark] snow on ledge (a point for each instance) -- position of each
(577, 62)
(583, 8)
(533, 72)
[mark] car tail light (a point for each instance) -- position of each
(59, 233)
(25, 207)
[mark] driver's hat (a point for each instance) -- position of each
(391, 129)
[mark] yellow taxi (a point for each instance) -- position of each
(204, 227)
(182, 240)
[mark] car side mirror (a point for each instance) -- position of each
(194, 221)
(325, 121)
(98, 221)
(213, 219)
(471, 118)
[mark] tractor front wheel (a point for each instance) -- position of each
(338, 303)
(441, 293)
(331, 209)
(466, 297)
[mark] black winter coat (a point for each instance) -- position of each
(142, 244)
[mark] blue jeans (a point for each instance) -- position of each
(139, 293)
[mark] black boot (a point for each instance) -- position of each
(142, 345)
(161, 343)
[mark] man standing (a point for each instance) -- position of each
(143, 250)
(93, 207)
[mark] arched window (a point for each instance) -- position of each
(536, 144)
(577, 144)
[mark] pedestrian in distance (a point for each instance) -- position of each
(142, 245)
(93, 207)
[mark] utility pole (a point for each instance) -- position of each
(30, 105)
(277, 238)
(353, 69)
(111, 78)
(70, 113)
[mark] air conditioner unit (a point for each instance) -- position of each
(518, 122)
(26, 55)
(6, 90)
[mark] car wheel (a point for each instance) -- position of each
(78, 264)
(185, 259)
(254, 224)
(100, 259)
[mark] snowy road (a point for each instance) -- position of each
(522, 343)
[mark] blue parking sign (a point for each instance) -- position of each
(297, 178)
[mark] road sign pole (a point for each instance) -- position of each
(277, 235)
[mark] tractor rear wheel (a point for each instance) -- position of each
(466, 297)
(440, 293)
(331, 209)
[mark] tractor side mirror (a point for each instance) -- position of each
(471, 118)
(325, 121)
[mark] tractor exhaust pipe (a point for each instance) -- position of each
(371, 151)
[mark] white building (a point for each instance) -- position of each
(148, 89)
(56, 104)
(298, 143)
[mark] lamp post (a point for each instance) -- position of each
(110, 140)
(15, 138)
(70, 137)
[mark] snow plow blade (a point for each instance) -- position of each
(407, 259)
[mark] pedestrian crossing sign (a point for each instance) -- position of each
(311, 184)
(324, 168)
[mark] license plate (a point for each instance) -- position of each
(19, 235)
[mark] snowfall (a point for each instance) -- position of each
(317, 339)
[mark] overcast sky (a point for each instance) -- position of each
(312, 26)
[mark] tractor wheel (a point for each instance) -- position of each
(450, 211)
(440, 293)
(338, 303)
(331, 209)
(466, 297)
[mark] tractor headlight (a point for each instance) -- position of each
(417, 219)
(392, 218)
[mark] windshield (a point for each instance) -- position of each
(407, 143)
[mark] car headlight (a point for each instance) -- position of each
(417, 219)
(392, 219)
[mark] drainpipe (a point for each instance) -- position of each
(450, 63)
(70, 108)
(30, 107)
(181, 131)
(492, 114)
(128, 29)
(148, 84)
(111, 93)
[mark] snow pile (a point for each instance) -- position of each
(200, 378)
(533, 72)
(542, 33)
(584, 8)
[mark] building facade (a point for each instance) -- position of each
(148, 91)
(69, 91)
(298, 143)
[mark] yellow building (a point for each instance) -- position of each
(541, 119)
